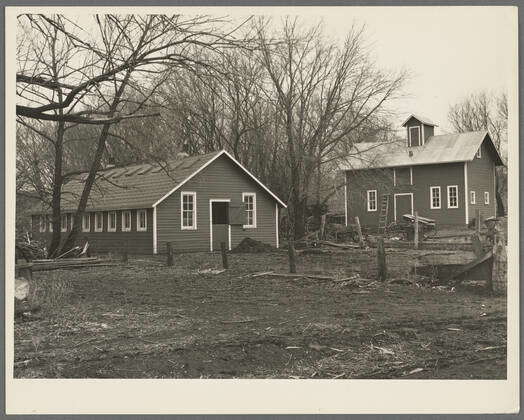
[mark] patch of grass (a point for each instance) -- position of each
(50, 292)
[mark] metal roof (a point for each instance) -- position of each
(444, 148)
(423, 120)
(139, 186)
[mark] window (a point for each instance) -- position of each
(188, 214)
(86, 222)
(126, 221)
(50, 223)
(434, 197)
(99, 222)
(452, 197)
(372, 200)
(41, 223)
(250, 206)
(472, 197)
(63, 223)
(486, 197)
(414, 136)
(141, 220)
(111, 221)
(479, 153)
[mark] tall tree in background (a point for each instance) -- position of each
(484, 111)
(87, 82)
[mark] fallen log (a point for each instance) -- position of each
(343, 246)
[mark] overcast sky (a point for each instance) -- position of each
(450, 52)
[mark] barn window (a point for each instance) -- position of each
(50, 223)
(141, 220)
(250, 205)
(63, 223)
(188, 211)
(86, 222)
(111, 221)
(486, 197)
(99, 222)
(372, 200)
(414, 136)
(126, 221)
(434, 197)
(452, 197)
(472, 197)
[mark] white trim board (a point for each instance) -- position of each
(276, 225)
(223, 152)
(466, 189)
(395, 204)
(211, 201)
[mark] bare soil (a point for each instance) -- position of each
(145, 320)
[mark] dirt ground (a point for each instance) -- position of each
(145, 320)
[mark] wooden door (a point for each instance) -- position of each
(403, 205)
(220, 224)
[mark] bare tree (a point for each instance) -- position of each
(484, 111)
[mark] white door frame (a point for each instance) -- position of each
(395, 203)
(211, 201)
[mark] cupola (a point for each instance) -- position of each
(418, 130)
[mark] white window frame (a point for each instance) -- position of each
(128, 229)
(41, 223)
(62, 218)
(97, 215)
(417, 127)
(86, 228)
(138, 227)
(254, 211)
(472, 197)
(109, 228)
(194, 195)
(49, 220)
(449, 196)
(368, 201)
(478, 155)
(431, 189)
(486, 197)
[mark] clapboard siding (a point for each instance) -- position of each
(441, 176)
(424, 176)
(104, 242)
(222, 179)
(481, 178)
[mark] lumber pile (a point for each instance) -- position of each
(67, 263)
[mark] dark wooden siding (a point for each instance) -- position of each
(428, 129)
(105, 242)
(358, 182)
(481, 178)
(222, 179)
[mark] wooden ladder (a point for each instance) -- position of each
(383, 217)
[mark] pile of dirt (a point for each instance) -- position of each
(251, 246)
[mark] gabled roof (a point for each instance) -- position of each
(444, 148)
(141, 185)
(423, 120)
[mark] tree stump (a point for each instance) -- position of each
(382, 270)
(499, 269)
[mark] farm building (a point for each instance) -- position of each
(194, 202)
(443, 177)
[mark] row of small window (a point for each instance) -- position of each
(66, 222)
(188, 210)
(435, 198)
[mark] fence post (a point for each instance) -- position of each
(292, 256)
(223, 248)
(415, 240)
(170, 259)
(498, 272)
(359, 231)
(322, 226)
(382, 270)
(477, 221)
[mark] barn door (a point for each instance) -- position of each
(403, 205)
(219, 224)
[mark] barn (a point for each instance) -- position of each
(194, 202)
(448, 178)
